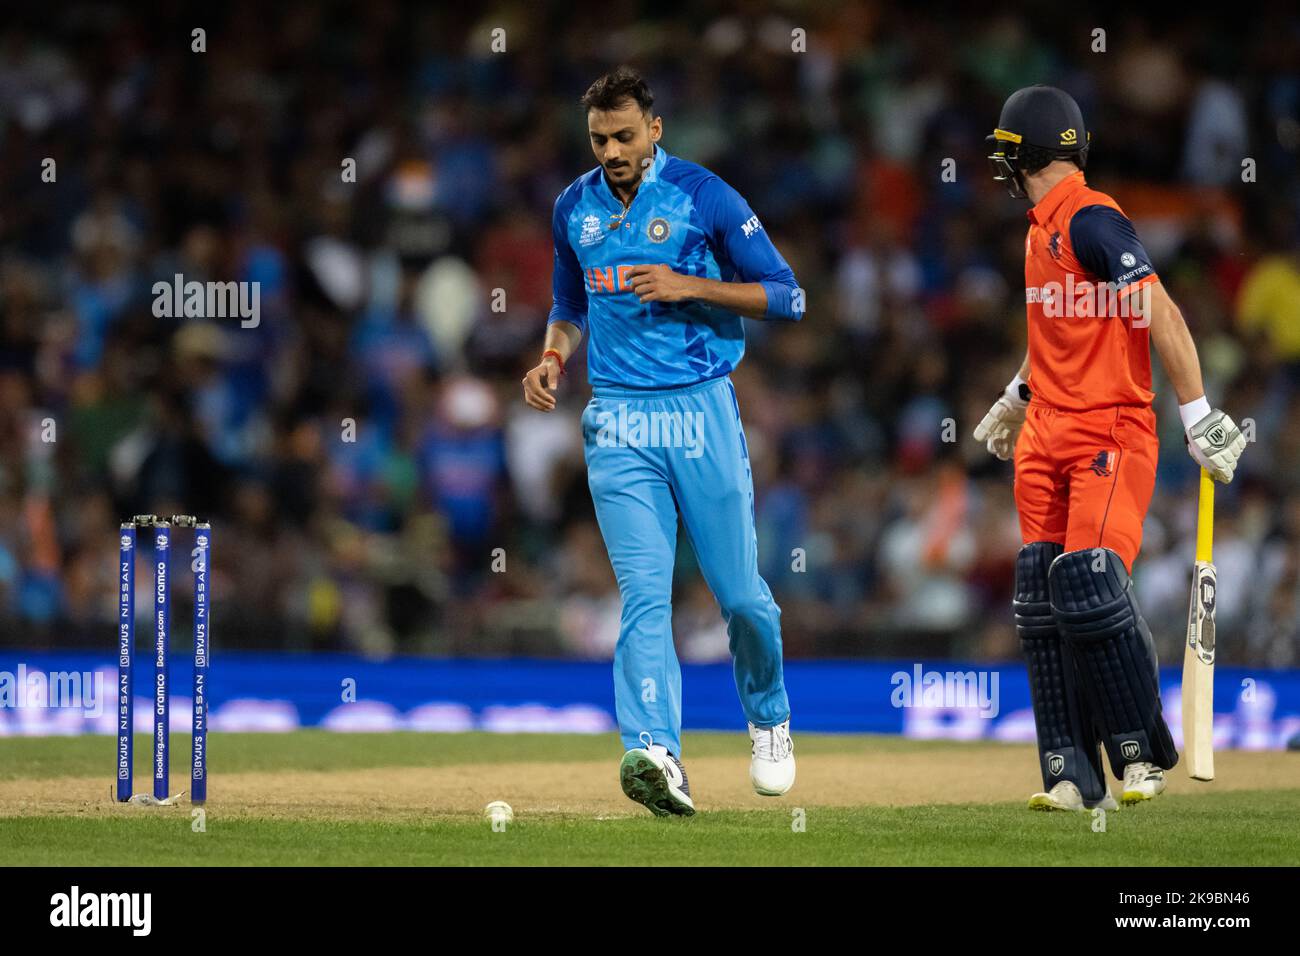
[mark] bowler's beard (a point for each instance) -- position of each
(628, 182)
(638, 167)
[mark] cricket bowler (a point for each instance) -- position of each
(1078, 419)
(656, 261)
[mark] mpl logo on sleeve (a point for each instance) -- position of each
(77, 909)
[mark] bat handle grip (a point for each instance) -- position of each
(1205, 519)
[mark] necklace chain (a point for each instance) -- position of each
(616, 221)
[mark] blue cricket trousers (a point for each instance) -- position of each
(652, 453)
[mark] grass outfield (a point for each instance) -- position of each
(314, 798)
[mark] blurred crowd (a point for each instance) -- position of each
(385, 173)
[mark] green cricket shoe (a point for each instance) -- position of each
(656, 782)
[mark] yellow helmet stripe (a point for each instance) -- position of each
(1004, 135)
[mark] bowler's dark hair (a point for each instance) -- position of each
(612, 91)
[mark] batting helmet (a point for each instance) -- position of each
(1038, 124)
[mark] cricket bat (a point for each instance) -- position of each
(1198, 658)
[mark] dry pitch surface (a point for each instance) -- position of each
(318, 798)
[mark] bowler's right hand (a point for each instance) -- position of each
(540, 384)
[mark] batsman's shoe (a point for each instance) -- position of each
(1066, 796)
(657, 782)
(771, 765)
(1142, 781)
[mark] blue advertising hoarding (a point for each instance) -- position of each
(46, 693)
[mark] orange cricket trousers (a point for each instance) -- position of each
(1085, 479)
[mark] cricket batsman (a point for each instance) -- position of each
(657, 260)
(1085, 459)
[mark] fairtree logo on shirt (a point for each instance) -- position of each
(624, 427)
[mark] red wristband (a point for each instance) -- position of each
(558, 357)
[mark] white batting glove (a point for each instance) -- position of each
(1001, 426)
(1216, 443)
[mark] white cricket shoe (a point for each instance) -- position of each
(1142, 781)
(771, 766)
(657, 781)
(1066, 796)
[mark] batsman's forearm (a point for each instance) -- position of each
(564, 337)
(1173, 341)
(1014, 387)
(744, 298)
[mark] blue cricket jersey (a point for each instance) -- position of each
(687, 218)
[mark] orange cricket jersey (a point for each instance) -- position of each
(1082, 259)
